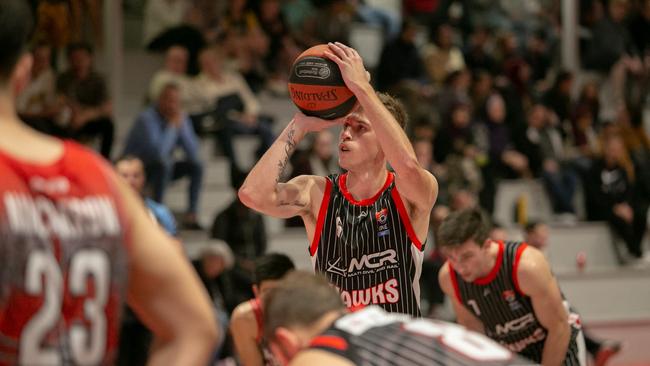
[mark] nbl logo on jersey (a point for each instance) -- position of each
(381, 217)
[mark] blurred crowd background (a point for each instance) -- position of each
(490, 95)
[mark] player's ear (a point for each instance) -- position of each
(22, 73)
(256, 291)
(288, 341)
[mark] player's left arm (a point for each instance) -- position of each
(536, 280)
(243, 328)
(414, 183)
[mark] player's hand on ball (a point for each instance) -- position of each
(350, 63)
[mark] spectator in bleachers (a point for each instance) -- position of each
(585, 139)
(174, 70)
(454, 91)
(224, 95)
(498, 233)
(538, 55)
(53, 24)
(84, 91)
(482, 87)
(162, 15)
(609, 193)
(558, 98)
(154, 137)
(337, 27)
(494, 139)
(131, 169)
(400, 60)
(477, 53)
(166, 25)
(639, 28)
(37, 103)
(612, 52)
(318, 159)
(588, 100)
(442, 57)
(455, 147)
(243, 229)
(542, 144)
(214, 262)
(283, 49)
(135, 338)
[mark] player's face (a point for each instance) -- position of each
(133, 172)
(264, 288)
(468, 259)
(357, 143)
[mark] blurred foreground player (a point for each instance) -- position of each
(308, 324)
(247, 319)
(76, 242)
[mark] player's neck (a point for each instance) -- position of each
(491, 258)
(366, 183)
(7, 108)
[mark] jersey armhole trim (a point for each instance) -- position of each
(401, 209)
(515, 267)
(454, 282)
(322, 213)
(257, 310)
(328, 341)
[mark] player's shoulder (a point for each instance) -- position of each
(319, 357)
(243, 314)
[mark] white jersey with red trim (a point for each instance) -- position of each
(368, 248)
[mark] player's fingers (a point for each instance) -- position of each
(349, 51)
(336, 48)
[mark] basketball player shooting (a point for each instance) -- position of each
(507, 291)
(366, 227)
(76, 242)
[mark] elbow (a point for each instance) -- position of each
(248, 196)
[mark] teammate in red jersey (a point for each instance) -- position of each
(367, 227)
(76, 242)
(307, 324)
(248, 317)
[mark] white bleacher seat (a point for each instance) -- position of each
(509, 191)
(368, 40)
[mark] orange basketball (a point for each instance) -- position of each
(316, 85)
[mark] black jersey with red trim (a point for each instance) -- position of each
(372, 336)
(262, 345)
(368, 248)
(506, 313)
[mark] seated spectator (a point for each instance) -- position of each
(84, 92)
(319, 158)
(543, 145)
(166, 26)
(609, 195)
(135, 337)
(558, 98)
(477, 54)
(174, 70)
(611, 51)
(243, 229)
(37, 103)
(131, 169)
(225, 96)
(248, 318)
(442, 57)
(154, 137)
(400, 59)
(214, 262)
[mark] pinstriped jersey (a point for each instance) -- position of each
(63, 261)
(368, 249)
(373, 337)
(506, 313)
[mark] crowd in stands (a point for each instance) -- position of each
(482, 81)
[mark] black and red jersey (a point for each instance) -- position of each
(368, 248)
(63, 261)
(371, 336)
(506, 312)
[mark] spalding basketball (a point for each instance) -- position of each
(317, 87)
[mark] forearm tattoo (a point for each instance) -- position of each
(288, 150)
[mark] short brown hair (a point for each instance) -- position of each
(395, 107)
(463, 225)
(300, 299)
